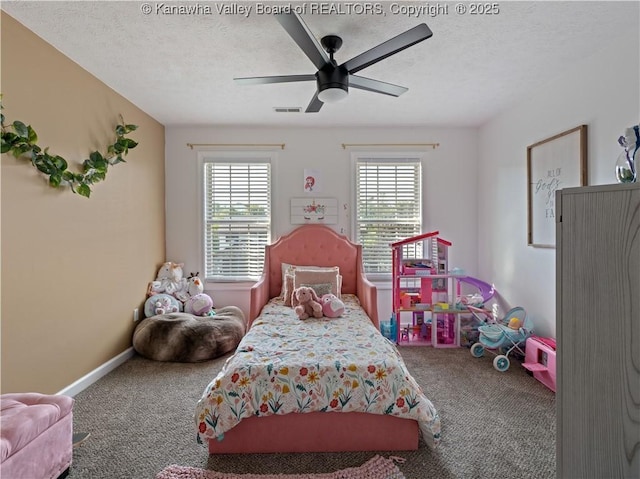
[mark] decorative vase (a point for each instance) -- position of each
(629, 160)
(627, 166)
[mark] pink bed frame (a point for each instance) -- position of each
(317, 245)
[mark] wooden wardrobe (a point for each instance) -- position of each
(598, 331)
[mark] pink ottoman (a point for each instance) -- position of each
(36, 433)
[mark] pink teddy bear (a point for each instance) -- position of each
(306, 303)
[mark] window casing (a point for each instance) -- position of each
(388, 207)
(236, 215)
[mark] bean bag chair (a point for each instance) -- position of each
(186, 338)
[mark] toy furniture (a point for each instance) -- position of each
(424, 288)
(186, 338)
(540, 359)
(36, 435)
(598, 331)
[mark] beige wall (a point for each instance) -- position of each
(73, 269)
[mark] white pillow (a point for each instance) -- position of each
(288, 288)
(316, 276)
(287, 268)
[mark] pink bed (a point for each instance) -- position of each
(316, 245)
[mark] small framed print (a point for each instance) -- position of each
(312, 181)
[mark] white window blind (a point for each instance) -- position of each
(237, 216)
(388, 202)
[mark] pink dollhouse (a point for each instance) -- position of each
(424, 292)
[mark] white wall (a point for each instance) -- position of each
(603, 92)
(449, 194)
(475, 182)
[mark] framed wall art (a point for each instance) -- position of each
(314, 210)
(552, 164)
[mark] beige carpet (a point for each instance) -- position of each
(494, 425)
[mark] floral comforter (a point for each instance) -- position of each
(285, 365)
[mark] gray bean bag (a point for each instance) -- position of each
(185, 338)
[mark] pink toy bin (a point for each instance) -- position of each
(540, 359)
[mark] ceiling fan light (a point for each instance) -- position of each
(332, 95)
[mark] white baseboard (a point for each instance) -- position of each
(99, 372)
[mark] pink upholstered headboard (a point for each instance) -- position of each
(315, 245)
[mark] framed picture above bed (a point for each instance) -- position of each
(314, 210)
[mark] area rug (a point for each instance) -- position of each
(377, 467)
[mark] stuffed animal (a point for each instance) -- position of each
(161, 304)
(514, 323)
(194, 285)
(306, 303)
(332, 306)
(199, 305)
(170, 281)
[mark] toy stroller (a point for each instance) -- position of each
(501, 337)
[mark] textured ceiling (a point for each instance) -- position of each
(180, 68)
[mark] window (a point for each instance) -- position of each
(237, 215)
(388, 206)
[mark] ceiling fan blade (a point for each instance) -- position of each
(376, 86)
(273, 79)
(388, 48)
(301, 34)
(314, 105)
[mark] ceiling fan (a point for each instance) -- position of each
(333, 80)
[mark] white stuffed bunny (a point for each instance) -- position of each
(170, 281)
